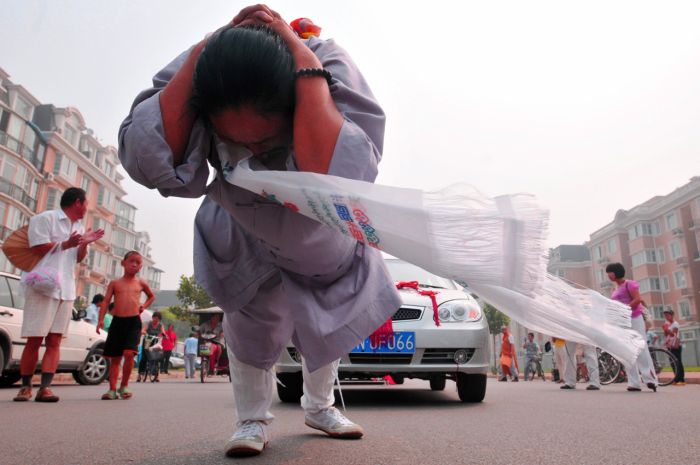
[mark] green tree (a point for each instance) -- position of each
(496, 321)
(191, 295)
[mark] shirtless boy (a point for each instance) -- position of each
(125, 329)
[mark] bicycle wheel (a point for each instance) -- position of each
(152, 370)
(608, 368)
(204, 369)
(665, 363)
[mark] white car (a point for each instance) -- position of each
(456, 350)
(81, 350)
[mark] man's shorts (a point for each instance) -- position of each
(43, 315)
(124, 334)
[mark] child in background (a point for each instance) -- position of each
(125, 329)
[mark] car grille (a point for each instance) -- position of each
(407, 314)
(440, 356)
(381, 359)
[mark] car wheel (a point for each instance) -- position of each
(94, 369)
(471, 387)
(7, 379)
(293, 387)
(437, 383)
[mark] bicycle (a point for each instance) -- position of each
(154, 354)
(534, 368)
(611, 369)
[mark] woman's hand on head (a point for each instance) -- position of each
(255, 14)
(263, 15)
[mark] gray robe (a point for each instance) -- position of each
(335, 290)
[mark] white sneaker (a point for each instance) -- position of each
(334, 424)
(249, 439)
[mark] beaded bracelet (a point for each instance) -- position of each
(315, 72)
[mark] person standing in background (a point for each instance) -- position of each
(169, 341)
(92, 311)
(191, 344)
(674, 345)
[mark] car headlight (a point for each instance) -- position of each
(459, 310)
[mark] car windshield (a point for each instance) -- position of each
(404, 271)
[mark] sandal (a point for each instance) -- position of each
(109, 395)
(124, 393)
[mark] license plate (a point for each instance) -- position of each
(402, 342)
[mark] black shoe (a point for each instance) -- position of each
(592, 388)
(504, 379)
(652, 386)
(566, 386)
(515, 380)
(633, 389)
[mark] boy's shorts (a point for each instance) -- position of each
(124, 334)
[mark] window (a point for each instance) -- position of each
(5, 295)
(70, 134)
(658, 312)
(612, 246)
(671, 221)
(675, 248)
(679, 279)
(14, 128)
(643, 229)
(687, 335)
(15, 218)
(17, 294)
(23, 107)
(105, 198)
(648, 256)
(52, 199)
(598, 251)
(601, 275)
(65, 167)
(653, 284)
(684, 309)
(85, 183)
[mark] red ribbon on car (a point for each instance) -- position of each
(386, 330)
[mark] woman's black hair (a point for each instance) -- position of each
(249, 65)
(617, 269)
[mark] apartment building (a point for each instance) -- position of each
(658, 243)
(44, 150)
(572, 263)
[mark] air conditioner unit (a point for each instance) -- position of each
(677, 232)
(48, 176)
(682, 261)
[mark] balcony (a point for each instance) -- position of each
(19, 148)
(17, 193)
(682, 261)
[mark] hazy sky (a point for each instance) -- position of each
(593, 106)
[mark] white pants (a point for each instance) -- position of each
(559, 360)
(590, 357)
(644, 363)
(253, 389)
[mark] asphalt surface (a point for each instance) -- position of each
(178, 422)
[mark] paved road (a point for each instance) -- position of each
(176, 422)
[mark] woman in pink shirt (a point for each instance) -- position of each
(168, 346)
(627, 292)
